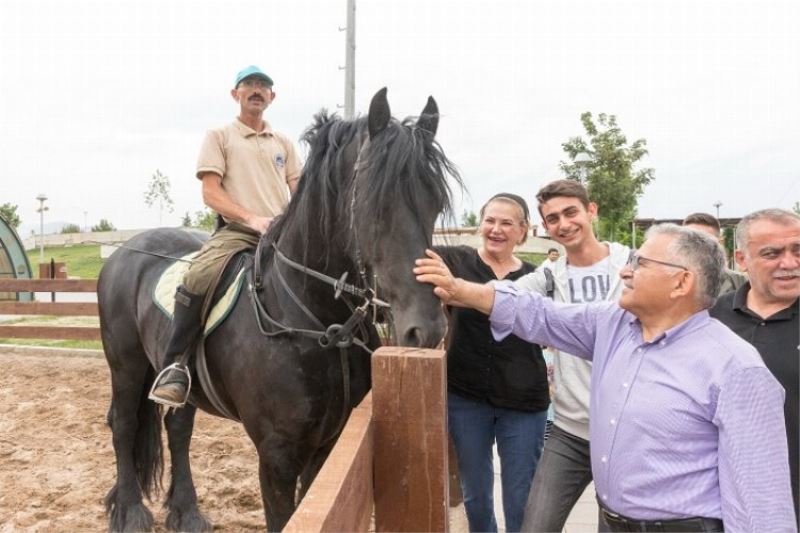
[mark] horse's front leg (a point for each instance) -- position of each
(183, 513)
(279, 466)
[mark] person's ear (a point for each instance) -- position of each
(685, 282)
(592, 210)
(740, 260)
(235, 95)
(524, 237)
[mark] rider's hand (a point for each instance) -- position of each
(259, 224)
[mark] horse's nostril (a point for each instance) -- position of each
(413, 337)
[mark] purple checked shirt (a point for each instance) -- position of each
(688, 424)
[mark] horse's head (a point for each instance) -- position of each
(371, 192)
(398, 190)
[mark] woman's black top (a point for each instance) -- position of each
(510, 373)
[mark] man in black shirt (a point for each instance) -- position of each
(765, 311)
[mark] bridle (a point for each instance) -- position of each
(339, 335)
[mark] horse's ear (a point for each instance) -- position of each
(379, 113)
(429, 119)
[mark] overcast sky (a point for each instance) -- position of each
(97, 95)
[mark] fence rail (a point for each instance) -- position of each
(86, 333)
(48, 285)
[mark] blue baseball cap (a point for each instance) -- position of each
(251, 71)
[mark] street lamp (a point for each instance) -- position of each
(583, 160)
(42, 198)
(717, 204)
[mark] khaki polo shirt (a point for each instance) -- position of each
(255, 166)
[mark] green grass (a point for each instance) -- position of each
(83, 261)
(73, 344)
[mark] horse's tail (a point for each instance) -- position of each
(148, 451)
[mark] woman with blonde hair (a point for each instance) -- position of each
(497, 391)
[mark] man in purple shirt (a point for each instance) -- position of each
(687, 424)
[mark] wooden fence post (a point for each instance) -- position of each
(409, 413)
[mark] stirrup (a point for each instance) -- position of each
(162, 401)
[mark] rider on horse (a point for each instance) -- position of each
(248, 171)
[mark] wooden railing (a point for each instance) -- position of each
(390, 461)
(49, 308)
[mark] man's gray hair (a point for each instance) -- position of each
(774, 214)
(700, 253)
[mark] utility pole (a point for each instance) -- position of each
(42, 198)
(350, 61)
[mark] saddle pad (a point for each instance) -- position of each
(164, 293)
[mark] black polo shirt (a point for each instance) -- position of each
(777, 339)
(510, 373)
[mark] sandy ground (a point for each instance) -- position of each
(57, 462)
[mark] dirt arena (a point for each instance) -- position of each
(57, 462)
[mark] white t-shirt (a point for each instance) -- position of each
(589, 284)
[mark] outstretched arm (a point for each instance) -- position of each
(451, 290)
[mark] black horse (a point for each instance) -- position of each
(370, 194)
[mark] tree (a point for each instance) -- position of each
(469, 219)
(9, 214)
(609, 175)
(104, 225)
(729, 243)
(205, 219)
(71, 228)
(796, 207)
(186, 222)
(158, 192)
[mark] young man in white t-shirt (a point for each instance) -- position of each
(589, 272)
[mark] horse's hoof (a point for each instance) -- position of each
(133, 518)
(191, 520)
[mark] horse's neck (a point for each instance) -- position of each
(328, 258)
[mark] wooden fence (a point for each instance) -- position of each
(49, 308)
(391, 461)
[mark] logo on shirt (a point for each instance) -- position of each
(280, 161)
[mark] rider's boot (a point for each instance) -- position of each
(171, 386)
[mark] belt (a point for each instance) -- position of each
(617, 522)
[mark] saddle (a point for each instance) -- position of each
(220, 298)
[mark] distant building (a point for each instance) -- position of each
(14, 262)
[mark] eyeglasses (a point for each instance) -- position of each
(255, 83)
(635, 261)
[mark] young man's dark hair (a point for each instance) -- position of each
(563, 188)
(703, 219)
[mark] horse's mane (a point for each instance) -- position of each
(401, 162)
